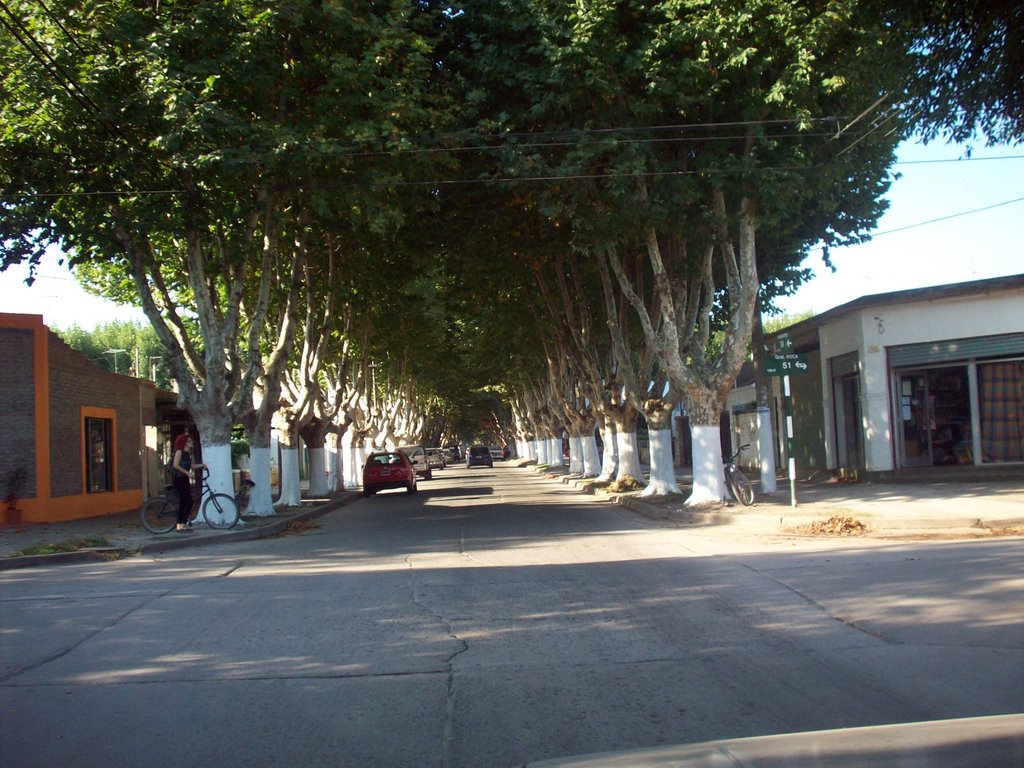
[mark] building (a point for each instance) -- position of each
(931, 377)
(78, 440)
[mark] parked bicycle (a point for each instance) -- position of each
(160, 513)
(737, 482)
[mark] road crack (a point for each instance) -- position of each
(461, 646)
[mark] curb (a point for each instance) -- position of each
(100, 554)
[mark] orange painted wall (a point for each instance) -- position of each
(44, 506)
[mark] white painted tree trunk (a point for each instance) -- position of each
(555, 456)
(317, 473)
(348, 463)
(291, 490)
(591, 458)
(663, 472)
(217, 459)
(767, 450)
(333, 458)
(530, 451)
(542, 451)
(629, 457)
(610, 459)
(708, 474)
(576, 455)
(261, 499)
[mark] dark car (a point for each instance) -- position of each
(388, 469)
(479, 456)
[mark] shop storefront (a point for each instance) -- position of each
(960, 402)
(928, 377)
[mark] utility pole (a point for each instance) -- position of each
(114, 352)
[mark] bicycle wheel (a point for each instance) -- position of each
(220, 511)
(158, 515)
(740, 487)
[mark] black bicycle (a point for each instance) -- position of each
(737, 482)
(221, 511)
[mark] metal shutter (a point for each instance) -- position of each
(956, 349)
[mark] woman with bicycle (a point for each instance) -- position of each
(182, 475)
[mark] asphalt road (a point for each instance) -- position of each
(490, 621)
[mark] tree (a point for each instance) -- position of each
(967, 67)
(673, 133)
(178, 143)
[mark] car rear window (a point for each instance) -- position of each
(478, 450)
(384, 459)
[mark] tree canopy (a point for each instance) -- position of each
(440, 192)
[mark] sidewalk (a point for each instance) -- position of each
(122, 535)
(952, 507)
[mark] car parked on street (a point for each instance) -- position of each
(418, 456)
(479, 456)
(436, 458)
(388, 469)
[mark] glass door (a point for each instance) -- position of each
(914, 419)
(935, 414)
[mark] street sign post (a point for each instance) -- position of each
(786, 365)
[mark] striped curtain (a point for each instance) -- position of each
(1002, 411)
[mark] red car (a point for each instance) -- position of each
(388, 469)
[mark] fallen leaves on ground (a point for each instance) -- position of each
(72, 545)
(625, 485)
(298, 526)
(835, 526)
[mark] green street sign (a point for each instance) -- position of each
(783, 344)
(786, 365)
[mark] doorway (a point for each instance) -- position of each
(849, 434)
(935, 416)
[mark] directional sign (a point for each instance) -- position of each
(785, 365)
(783, 344)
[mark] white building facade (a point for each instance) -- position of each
(927, 377)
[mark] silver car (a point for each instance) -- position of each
(418, 457)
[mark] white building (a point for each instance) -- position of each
(925, 377)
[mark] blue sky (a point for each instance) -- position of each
(936, 183)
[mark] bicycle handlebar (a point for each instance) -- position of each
(738, 452)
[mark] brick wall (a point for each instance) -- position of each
(76, 382)
(17, 404)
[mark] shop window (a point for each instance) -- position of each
(99, 454)
(935, 412)
(1001, 401)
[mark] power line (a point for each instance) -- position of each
(553, 177)
(947, 218)
(958, 160)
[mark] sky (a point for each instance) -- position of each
(950, 220)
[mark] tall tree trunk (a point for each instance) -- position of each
(314, 435)
(610, 457)
(663, 472)
(288, 439)
(591, 457)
